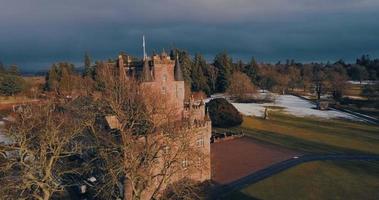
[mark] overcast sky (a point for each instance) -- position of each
(36, 33)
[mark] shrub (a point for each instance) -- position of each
(11, 85)
(223, 114)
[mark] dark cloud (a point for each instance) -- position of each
(36, 33)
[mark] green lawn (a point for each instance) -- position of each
(318, 180)
(321, 179)
(313, 135)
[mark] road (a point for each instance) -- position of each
(221, 191)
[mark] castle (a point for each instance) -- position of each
(164, 75)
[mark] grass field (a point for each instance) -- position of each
(318, 180)
(313, 135)
(321, 179)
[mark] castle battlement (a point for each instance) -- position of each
(193, 107)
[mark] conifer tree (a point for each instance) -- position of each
(251, 70)
(223, 63)
(52, 79)
(199, 81)
(88, 70)
(11, 85)
(65, 84)
(240, 66)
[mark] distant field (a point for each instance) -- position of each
(318, 180)
(6, 102)
(353, 89)
(12, 99)
(313, 135)
(35, 79)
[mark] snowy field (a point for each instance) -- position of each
(291, 104)
(3, 139)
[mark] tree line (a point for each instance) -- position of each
(216, 76)
(321, 78)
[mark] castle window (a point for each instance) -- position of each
(200, 142)
(164, 77)
(166, 149)
(164, 90)
(185, 163)
(178, 91)
(199, 161)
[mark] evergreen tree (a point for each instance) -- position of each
(210, 73)
(358, 73)
(11, 85)
(239, 67)
(88, 69)
(251, 70)
(65, 84)
(223, 63)
(52, 79)
(199, 81)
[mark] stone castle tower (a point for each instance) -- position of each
(164, 75)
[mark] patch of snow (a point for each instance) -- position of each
(291, 104)
(355, 97)
(363, 82)
(250, 109)
(92, 179)
(3, 138)
(83, 189)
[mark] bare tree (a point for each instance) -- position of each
(320, 82)
(36, 161)
(337, 83)
(282, 81)
(241, 86)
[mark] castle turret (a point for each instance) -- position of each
(178, 75)
(146, 72)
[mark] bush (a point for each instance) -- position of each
(223, 114)
(11, 85)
